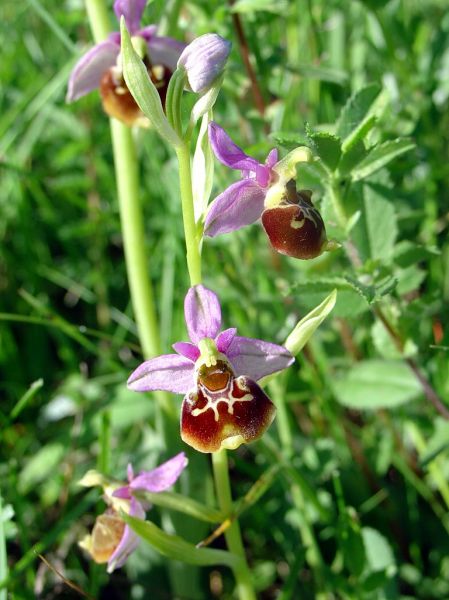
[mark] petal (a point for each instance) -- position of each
(165, 51)
(168, 372)
(89, 70)
(227, 152)
(162, 477)
(241, 204)
(202, 313)
(129, 541)
(272, 158)
(187, 350)
(132, 10)
(256, 358)
(224, 339)
(204, 60)
(212, 422)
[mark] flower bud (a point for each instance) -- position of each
(204, 60)
(294, 226)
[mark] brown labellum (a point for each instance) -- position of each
(117, 99)
(295, 227)
(224, 411)
(106, 535)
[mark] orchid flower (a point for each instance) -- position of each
(268, 191)
(112, 540)
(101, 66)
(216, 371)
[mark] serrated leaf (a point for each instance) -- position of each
(375, 384)
(380, 156)
(327, 146)
(176, 548)
(349, 159)
(356, 110)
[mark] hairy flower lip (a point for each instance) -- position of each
(210, 375)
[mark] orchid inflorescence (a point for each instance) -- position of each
(141, 77)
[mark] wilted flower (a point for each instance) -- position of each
(223, 406)
(204, 60)
(112, 540)
(101, 66)
(293, 225)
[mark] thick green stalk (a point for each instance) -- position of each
(131, 217)
(233, 536)
(219, 459)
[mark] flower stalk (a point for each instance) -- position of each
(233, 536)
(127, 177)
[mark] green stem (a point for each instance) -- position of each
(307, 534)
(188, 213)
(233, 536)
(337, 204)
(219, 459)
(131, 217)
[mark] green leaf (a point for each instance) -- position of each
(370, 292)
(327, 146)
(375, 232)
(307, 326)
(143, 90)
(359, 133)
(328, 74)
(349, 159)
(176, 548)
(379, 554)
(250, 6)
(356, 110)
(350, 542)
(374, 384)
(380, 156)
(42, 465)
(185, 505)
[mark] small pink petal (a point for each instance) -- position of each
(224, 339)
(162, 477)
(202, 313)
(256, 358)
(187, 350)
(88, 71)
(229, 153)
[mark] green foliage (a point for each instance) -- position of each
(364, 85)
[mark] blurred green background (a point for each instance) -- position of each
(366, 441)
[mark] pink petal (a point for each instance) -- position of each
(256, 358)
(129, 541)
(169, 372)
(229, 153)
(88, 71)
(162, 477)
(272, 158)
(187, 350)
(241, 204)
(224, 339)
(202, 313)
(132, 10)
(165, 51)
